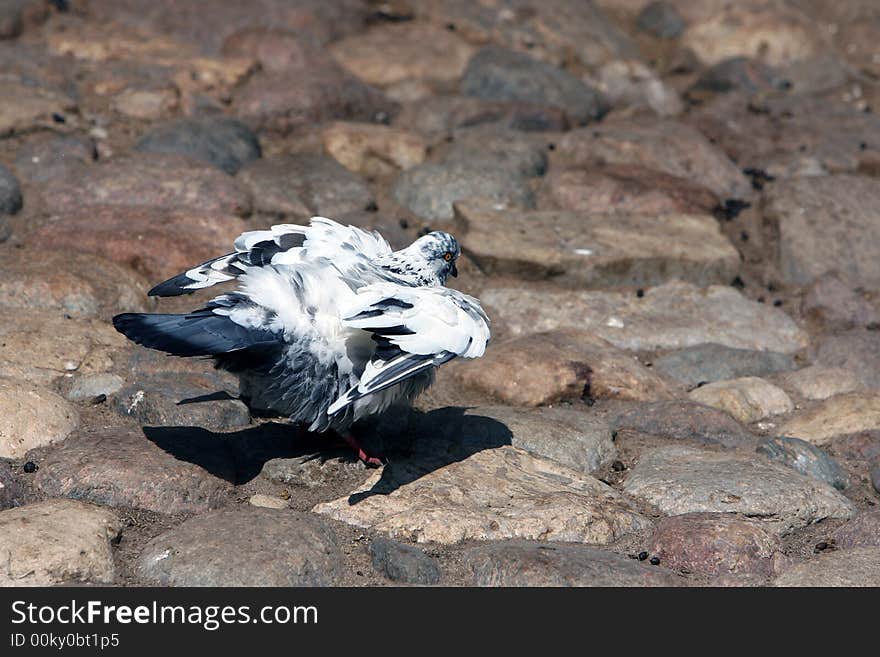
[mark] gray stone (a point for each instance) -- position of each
(311, 470)
(430, 189)
(495, 148)
(303, 185)
(661, 19)
(751, 75)
(57, 541)
(167, 472)
(875, 476)
(403, 563)
(221, 141)
(440, 117)
(245, 546)
(680, 480)
(178, 400)
(685, 421)
(499, 74)
(804, 458)
(10, 192)
(90, 386)
(530, 563)
(46, 156)
(705, 363)
(854, 567)
(671, 316)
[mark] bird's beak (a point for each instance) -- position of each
(454, 271)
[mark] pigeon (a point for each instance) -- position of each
(328, 325)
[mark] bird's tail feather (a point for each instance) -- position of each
(200, 333)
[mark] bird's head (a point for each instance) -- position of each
(439, 251)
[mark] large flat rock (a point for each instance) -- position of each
(680, 480)
(493, 494)
(671, 316)
(588, 249)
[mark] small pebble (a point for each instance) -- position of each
(30, 467)
(640, 293)
(655, 561)
(618, 466)
(643, 556)
(99, 399)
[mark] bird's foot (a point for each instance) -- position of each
(366, 459)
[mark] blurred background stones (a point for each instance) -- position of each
(669, 209)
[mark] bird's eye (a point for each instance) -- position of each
(447, 256)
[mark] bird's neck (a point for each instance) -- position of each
(412, 268)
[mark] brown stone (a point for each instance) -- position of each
(153, 180)
(686, 421)
(848, 568)
(390, 52)
(31, 416)
(543, 368)
(623, 188)
(39, 345)
(826, 223)
(715, 544)
(663, 145)
(835, 416)
(792, 135)
(597, 250)
(861, 531)
(156, 242)
(373, 150)
(28, 107)
(77, 284)
(316, 92)
(56, 542)
(774, 31)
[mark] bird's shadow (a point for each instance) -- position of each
(414, 445)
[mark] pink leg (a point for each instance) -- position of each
(352, 442)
